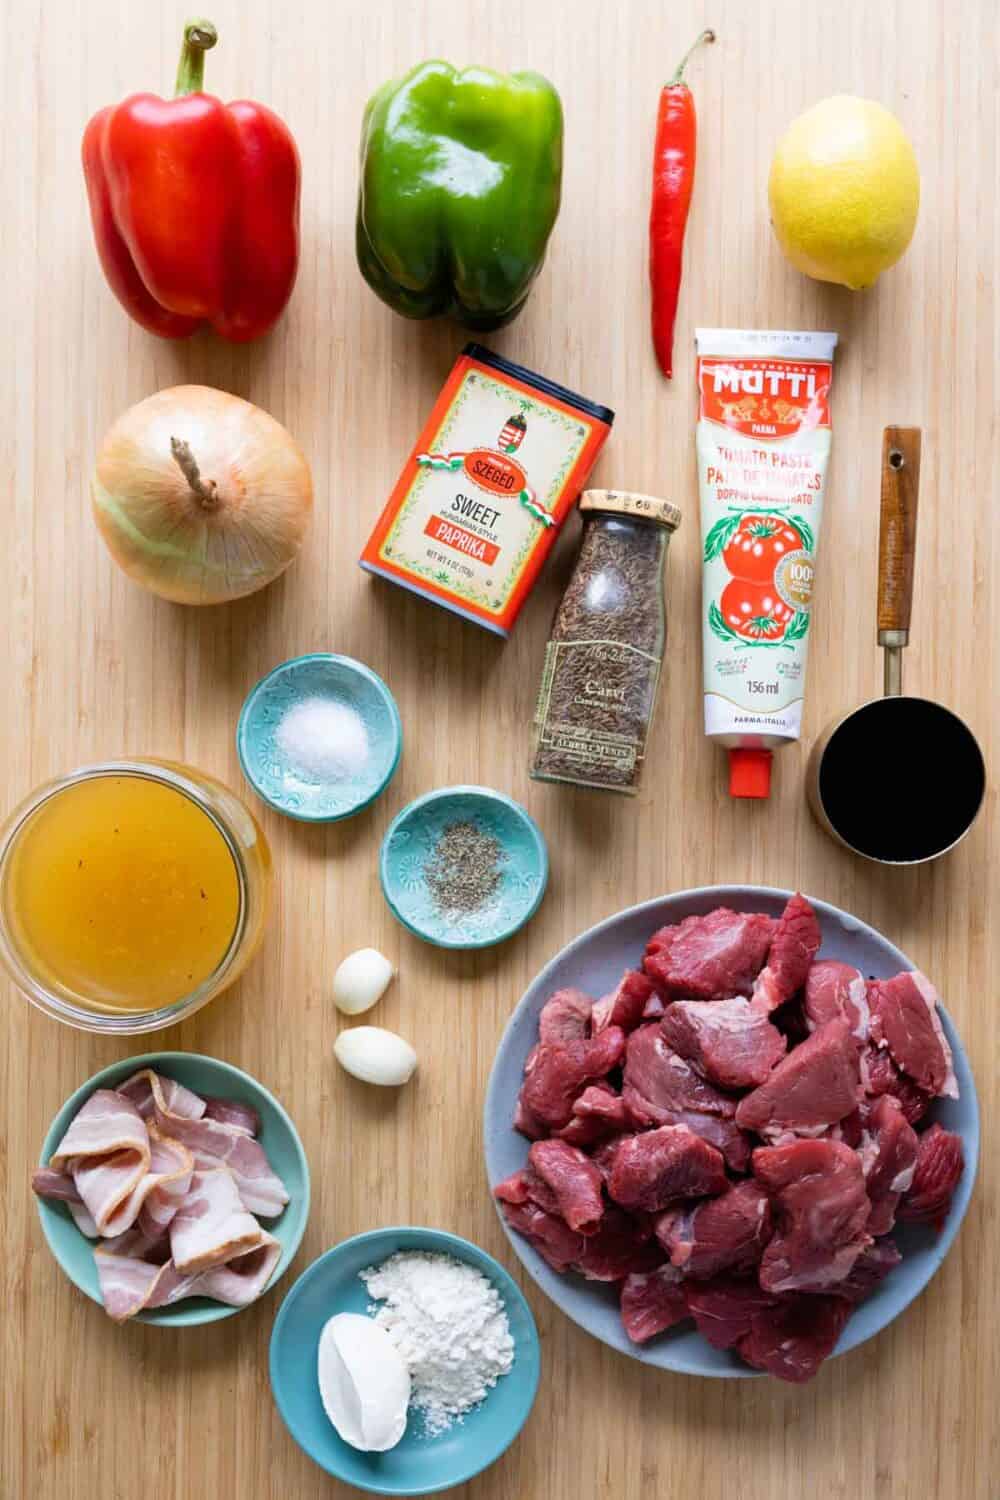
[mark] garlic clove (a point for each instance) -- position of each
(375, 1055)
(361, 981)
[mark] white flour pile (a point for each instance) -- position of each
(449, 1324)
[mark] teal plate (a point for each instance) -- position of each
(278, 1136)
(342, 680)
(418, 1465)
(409, 844)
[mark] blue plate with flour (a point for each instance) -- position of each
(418, 1465)
(522, 867)
(594, 962)
(341, 692)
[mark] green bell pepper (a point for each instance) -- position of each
(460, 182)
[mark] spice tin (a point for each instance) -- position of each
(602, 663)
(477, 508)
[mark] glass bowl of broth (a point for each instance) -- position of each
(131, 893)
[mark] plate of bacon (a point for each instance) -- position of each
(731, 1131)
(172, 1189)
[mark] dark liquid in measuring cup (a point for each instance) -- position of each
(901, 779)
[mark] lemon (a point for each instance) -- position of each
(844, 191)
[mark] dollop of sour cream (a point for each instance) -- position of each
(364, 1383)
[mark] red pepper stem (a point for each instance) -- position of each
(199, 37)
(678, 76)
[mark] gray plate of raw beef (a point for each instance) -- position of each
(731, 1131)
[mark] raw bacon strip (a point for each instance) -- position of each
(106, 1123)
(234, 1112)
(130, 1284)
(106, 1151)
(149, 1091)
(169, 1164)
(82, 1219)
(241, 1280)
(214, 1143)
(59, 1186)
(175, 1165)
(211, 1225)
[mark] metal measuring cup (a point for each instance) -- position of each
(899, 780)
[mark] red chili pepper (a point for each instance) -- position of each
(673, 179)
(195, 205)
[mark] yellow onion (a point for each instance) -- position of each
(200, 496)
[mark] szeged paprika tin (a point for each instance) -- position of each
(497, 468)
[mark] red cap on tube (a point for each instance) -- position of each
(750, 773)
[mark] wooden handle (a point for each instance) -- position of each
(897, 536)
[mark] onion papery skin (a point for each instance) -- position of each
(228, 542)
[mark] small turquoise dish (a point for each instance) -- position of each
(418, 1465)
(206, 1076)
(339, 679)
(410, 842)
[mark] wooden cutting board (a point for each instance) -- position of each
(92, 667)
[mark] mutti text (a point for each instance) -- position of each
(797, 384)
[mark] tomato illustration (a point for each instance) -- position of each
(754, 610)
(758, 544)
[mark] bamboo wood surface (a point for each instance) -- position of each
(93, 667)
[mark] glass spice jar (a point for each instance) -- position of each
(602, 663)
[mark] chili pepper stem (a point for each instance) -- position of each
(199, 37)
(708, 35)
(207, 491)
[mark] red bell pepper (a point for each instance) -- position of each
(195, 205)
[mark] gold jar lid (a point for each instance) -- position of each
(628, 503)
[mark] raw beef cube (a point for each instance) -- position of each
(870, 1269)
(879, 1075)
(888, 1159)
(821, 1210)
(524, 1120)
(625, 1005)
(575, 1181)
(905, 1019)
(555, 1073)
(940, 1163)
(813, 1087)
(712, 957)
(849, 1130)
(652, 1303)
(795, 944)
(657, 1081)
(525, 1186)
(604, 1155)
(721, 1234)
(565, 1017)
(651, 1170)
(553, 1239)
(729, 1041)
(724, 1135)
(597, 1114)
(724, 1308)
(792, 1338)
(620, 1247)
(836, 992)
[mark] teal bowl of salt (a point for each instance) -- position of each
(464, 867)
(319, 738)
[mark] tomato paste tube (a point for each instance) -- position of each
(763, 447)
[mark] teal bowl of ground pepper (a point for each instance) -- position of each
(464, 867)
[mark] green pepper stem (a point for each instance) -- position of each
(199, 37)
(678, 76)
